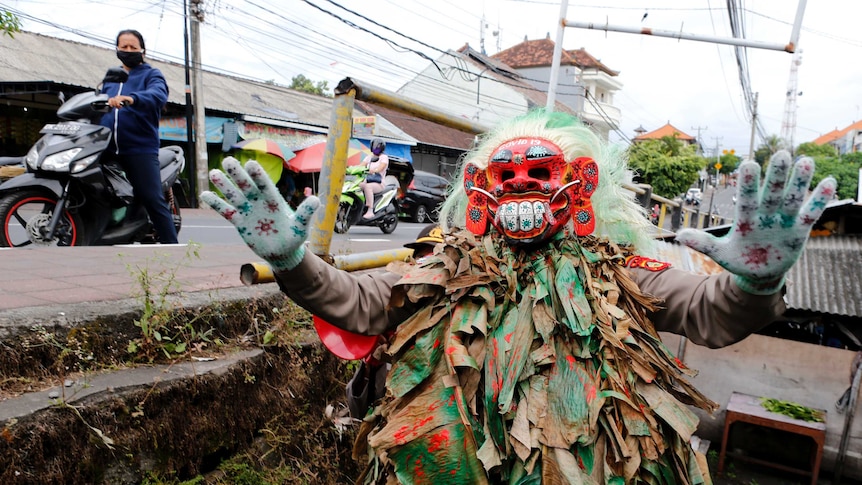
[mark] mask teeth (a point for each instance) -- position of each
(564, 187)
(549, 214)
(506, 212)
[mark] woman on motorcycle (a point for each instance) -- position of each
(377, 163)
(135, 140)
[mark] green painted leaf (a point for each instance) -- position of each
(417, 362)
(519, 342)
(446, 455)
(577, 314)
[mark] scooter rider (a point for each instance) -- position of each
(134, 120)
(377, 164)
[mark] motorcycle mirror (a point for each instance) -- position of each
(116, 75)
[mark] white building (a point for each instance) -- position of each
(474, 86)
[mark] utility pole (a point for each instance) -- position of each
(714, 187)
(200, 130)
(555, 62)
(190, 118)
(753, 125)
(699, 129)
(788, 122)
(482, 26)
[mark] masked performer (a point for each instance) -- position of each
(525, 348)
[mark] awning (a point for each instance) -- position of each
(393, 148)
(398, 150)
(174, 129)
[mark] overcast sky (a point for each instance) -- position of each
(693, 85)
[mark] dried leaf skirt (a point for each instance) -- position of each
(528, 367)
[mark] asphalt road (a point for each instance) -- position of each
(206, 227)
(721, 200)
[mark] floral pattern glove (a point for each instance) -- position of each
(261, 216)
(771, 224)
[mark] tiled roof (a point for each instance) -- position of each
(540, 53)
(829, 137)
(507, 75)
(666, 130)
(837, 134)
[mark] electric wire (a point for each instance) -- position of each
(393, 68)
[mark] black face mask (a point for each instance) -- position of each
(131, 59)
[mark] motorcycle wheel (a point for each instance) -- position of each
(389, 224)
(342, 224)
(23, 213)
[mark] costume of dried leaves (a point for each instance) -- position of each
(530, 366)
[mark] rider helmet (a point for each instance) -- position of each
(377, 146)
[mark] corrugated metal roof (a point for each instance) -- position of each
(826, 279)
(31, 57)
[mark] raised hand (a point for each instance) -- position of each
(261, 216)
(771, 225)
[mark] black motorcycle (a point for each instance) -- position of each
(71, 194)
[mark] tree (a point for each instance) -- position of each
(671, 145)
(9, 23)
(772, 144)
(670, 168)
(845, 169)
(302, 83)
(814, 150)
(729, 161)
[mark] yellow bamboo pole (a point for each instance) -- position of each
(365, 92)
(260, 272)
(332, 173)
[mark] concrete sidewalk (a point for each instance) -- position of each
(57, 276)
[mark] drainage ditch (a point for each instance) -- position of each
(101, 401)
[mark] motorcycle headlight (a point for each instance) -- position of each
(59, 162)
(32, 157)
(83, 163)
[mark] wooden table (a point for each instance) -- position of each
(746, 408)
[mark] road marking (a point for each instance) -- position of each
(150, 246)
(208, 227)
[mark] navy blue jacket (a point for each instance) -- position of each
(136, 127)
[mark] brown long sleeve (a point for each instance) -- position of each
(708, 310)
(358, 303)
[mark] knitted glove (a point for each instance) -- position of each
(261, 216)
(771, 224)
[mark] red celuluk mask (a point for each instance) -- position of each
(529, 192)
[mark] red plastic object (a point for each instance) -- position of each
(345, 345)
